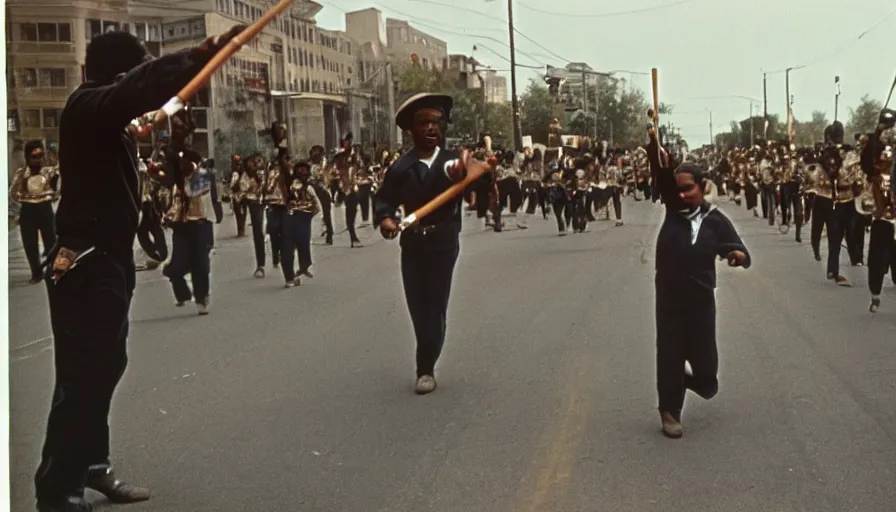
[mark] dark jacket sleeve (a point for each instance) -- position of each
(144, 89)
(387, 198)
(728, 240)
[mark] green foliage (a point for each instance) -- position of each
(809, 132)
(536, 111)
(863, 119)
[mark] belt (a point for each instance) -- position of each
(432, 228)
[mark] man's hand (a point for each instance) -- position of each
(473, 165)
(213, 45)
(389, 229)
(736, 258)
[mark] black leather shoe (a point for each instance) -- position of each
(116, 491)
(65, 504)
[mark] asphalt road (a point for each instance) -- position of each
(301, 399)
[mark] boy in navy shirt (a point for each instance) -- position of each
(694, 233)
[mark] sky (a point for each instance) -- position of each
(702, 48)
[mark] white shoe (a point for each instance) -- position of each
(425, 384)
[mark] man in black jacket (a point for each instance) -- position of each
(90, 278)
(430, 246)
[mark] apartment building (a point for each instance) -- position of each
(467, 73)
(45, 59)
(406, 43)
(294, 71)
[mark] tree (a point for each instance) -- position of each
(863, 119)
(536, 112)
(810, 132)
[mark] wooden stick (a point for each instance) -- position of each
(176, 103)
(654, 77)
(442, 199)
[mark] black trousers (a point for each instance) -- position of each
(274, 227)
(326, 205)
(561, 208)
(89, 310)
(256, 216)
(239, 213)
(822, 211)
(426, 275)
(881, 255)
(751, 194)
(579, 211)
(616, 195)
(192, 242)
(34, 219)
(792, 206)
(351, 214)
(365, 201)
(769, 203)
(856, 239)
(510, 194)
(685, 331)
(534, 196)
(296, 238)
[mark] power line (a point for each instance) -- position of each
(604, 15)
(840, 49)
(475, 36)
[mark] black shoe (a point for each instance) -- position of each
(65, 504)
(116, 491)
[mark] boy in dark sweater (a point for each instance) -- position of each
(694, 233)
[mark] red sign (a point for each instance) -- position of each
(256, 84)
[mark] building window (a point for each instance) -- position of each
(45, 77)
(155, 33)
(202, 99)
(12, 120)
(51, 117)
(29, 77)
(31, 118)
(200, 116)
(28, 32)
(200, 142)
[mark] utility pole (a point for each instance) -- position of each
(789, 111)
(480, 117)
(394, 130)
(752, 134)
(711, 141)
(836, 96)
(514, 102)
(584, 98)
(764, 107)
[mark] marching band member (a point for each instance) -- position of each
(346, 164)
(320, 181)
(35, 187)
(791, 196)
(581, 185)
(275, 204)
(194, 199)
(855, 231)
(614, 185)
(150, 232)
(430, 247)
(880, 166)
(532, 191)
(302, 206)
(364, 179)
(558, 197)
(236, 196)
(249, 191)
(767, 186)
(693, 234)
(91, 278)
(510, 195)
